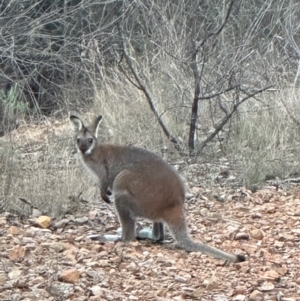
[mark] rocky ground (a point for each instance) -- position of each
(43, 259)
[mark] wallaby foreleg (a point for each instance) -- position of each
(127, 221)
(104, 191)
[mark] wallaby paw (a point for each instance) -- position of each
(105, 237)
(107, 200)
(145, 233)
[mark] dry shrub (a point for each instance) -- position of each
(37, 165)
(264, 140)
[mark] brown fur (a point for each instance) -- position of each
(143, 185)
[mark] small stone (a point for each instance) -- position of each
(239, 298)
(256, 296)
(96, 290)
(14, 274)
(102, 254)
(256, 215)
(36, 212)
(233, 228)
(58, 289)
(267, 286)
(270, 209)
(271, 275)
(179, 279)
(282, 270)
(3, 221)
(204, 211)
(103, 263)
(61, 223)
(69, 276)
(93, 214)
(132, 267)
(147, 263)
(43, 221)
(13, 230)
(58, 246)
(256, 234)
(29, 233)
(17, 253)
(188, 196)
(82, 220)
(28, 240)
(250, 248)
(213, 283)
(37, 280)
(240, 236)
(2, 279)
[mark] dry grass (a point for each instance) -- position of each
(37, 162)
(38, 165)
(265, 140)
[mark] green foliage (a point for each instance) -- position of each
(12, 102)
(12, 107)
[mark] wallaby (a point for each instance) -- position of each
(143, 185)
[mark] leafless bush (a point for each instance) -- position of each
(190, 73)
(264, 140)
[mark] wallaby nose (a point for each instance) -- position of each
(83, 147)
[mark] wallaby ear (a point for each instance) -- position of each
(95, 125)
(76, 122)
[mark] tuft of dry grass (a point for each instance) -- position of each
(264, 141)
(37, 164)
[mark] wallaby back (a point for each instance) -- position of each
(143, 185)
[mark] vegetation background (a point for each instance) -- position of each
(199, 80)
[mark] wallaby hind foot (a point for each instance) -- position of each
(155, 234)
(143, 185)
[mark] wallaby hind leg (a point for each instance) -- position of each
(156, 233)
(177, 225)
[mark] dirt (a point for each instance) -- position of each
(59, 262)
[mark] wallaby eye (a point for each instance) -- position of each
(90, 140)
(78, 140)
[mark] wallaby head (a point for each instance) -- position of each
(86, 139)
(143, 185)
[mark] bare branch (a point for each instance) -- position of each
(197, 77)
(217, 94)
(140, 85)
(128, 78)
(218, 30)
(222, 106)
(221, 124)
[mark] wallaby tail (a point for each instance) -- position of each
(191, 246)
(179, 230)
